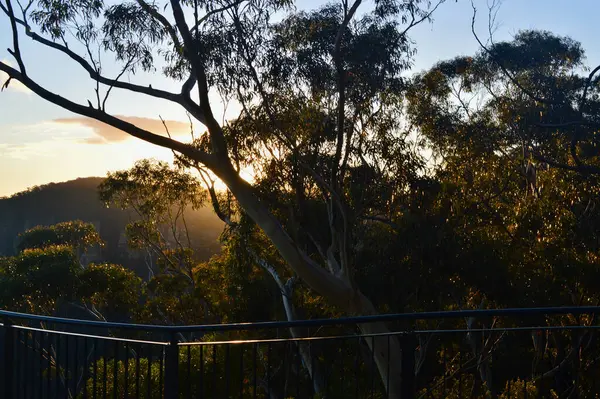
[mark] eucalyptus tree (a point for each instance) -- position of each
(514, 130)
(47, 277)
(318, 88)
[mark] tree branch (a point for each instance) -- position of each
(215, 131)
(189, 105)
(341, 89)
(113, 121)
(414, 22)
(213, 12)
(589, 169)
(163, 21)
(503, 68)
(16, 51)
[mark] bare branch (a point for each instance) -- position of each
(414, 21)
(110, 87)
(583, 99)
(509, 75)
(16, 51)
(209, 14)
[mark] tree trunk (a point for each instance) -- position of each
(337, 289)
(386, 349)
(309, 361)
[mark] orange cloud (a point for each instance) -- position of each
(108, 134)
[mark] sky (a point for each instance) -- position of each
(42, 143)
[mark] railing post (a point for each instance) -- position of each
(171, 369)
(8, 358)
(407, 383)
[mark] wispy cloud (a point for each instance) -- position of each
(43, 139)
(14, 85)
(43, 148)
(107, 134)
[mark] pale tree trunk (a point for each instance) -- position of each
(309, 361)
(338, 288)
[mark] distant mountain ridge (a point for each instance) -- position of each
(78, 199)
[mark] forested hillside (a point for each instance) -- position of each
(79, 200)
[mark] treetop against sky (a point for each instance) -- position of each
(40, 142)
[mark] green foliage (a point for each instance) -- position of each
(150, 187)
(160, 196)
(110, 288)
(37, 279)
(76, 234)
(45, 275)
(104, 370)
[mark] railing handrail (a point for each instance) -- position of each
(453, 314)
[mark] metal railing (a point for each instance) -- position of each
(505, 353)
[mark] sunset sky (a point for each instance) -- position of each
(41, 143)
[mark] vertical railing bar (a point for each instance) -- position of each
(201, 382)
(57, 366)
(227, 371)
(285, 367)
(116, 370)
(327, 373)
(36, 371)
(460, 355)
(372, 366)
(75, 365)
(49, 362)
(85, 370)
(342, 355)
(160, 371)
(95, 371)
(137, 371)
(171, 368)
(149, 374)
(241, 371)
(67, 379)
(104, 370)
(445, 366)
(311, 375)
(189, 371)
(269, 369)
(214, 362)
(26, 358)
(41, 366)
(254, 354)
(298, 368)
(126, 367)
(356, 366)
(407, 379)
(8, 357)
(18, 363)
(387, 383)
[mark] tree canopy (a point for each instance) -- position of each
(344, 213)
